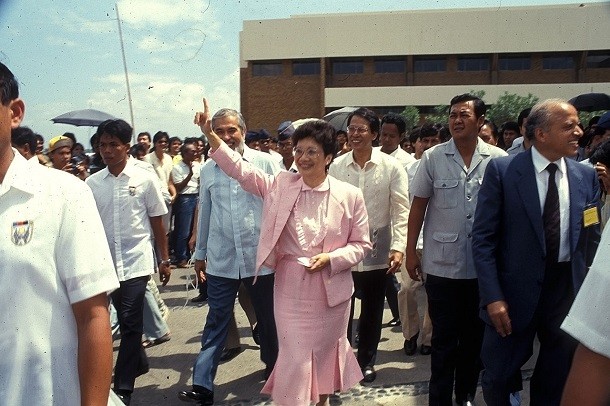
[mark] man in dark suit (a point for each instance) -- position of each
(535, 233)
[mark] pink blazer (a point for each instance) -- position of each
(347, 237)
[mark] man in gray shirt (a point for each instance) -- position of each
(444, 191)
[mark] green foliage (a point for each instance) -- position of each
(441, 112)
(411, 116)
(585, 116)
(508, 106)
(440, 115)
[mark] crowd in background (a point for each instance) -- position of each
(406, 182)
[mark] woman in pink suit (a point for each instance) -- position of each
(314, 229)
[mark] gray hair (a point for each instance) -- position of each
(541, 116)
(230, 113)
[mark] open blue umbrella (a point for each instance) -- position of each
(86, 117)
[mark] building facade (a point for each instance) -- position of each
(305, 66)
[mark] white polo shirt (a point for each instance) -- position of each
(53, 255)
(181, 171)
(126, 203)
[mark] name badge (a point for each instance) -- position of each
(590, 216)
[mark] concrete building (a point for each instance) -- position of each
(307, 65)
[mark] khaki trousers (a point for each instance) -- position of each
(408, 309)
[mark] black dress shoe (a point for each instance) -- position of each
(229, 353)
(369, 374)
(256, 335)
(394, 322)
(425, 350)
(124, 395)
(411, 345)
(200, 298)
(469, 401)
(203, 397)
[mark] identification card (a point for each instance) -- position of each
(590, 216)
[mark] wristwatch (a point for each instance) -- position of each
(165, 262)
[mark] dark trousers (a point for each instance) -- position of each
(457, 332)
(391, 294)
(128, 300)
(371, 284)
(503, 357)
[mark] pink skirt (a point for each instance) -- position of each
(314, 356)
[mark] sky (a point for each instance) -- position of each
(66, 54)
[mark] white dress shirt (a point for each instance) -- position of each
(563, 187)
(126, 202)
(53, 255)
(385, 186)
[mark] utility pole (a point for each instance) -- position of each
(133, 137)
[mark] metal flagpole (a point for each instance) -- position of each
(133, 137)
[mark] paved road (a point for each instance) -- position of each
(401, 380)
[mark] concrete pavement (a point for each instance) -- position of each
(401, 380)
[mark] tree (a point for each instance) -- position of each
(441, 112)
(508, 106)
(586, 116)
(411, 116)
(440, 115)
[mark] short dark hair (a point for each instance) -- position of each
(523, 115)
(601, 154)
(479, 105)
(397, 120)
(414, 135)
(511, 126)
(117, 128)
(159, 135)
(172, 139)
(137, 148)
(492, 126)
(322, 133)
(189, 141)
(71, 136)
(9, 88)
(443, 133)
(367, 114)
(24, 135)
(146, 133)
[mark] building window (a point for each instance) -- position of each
(266, 68)
(426, 64)
(557, 62)
(305, 68)
(514, 63)
(390, 66)
(598, 59)
(348, 67)
(473, 63)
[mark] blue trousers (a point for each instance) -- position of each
(221, 300)
(184, 211)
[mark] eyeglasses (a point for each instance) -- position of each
(355, 129)
(310, 153)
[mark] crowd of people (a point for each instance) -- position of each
(498, 228)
